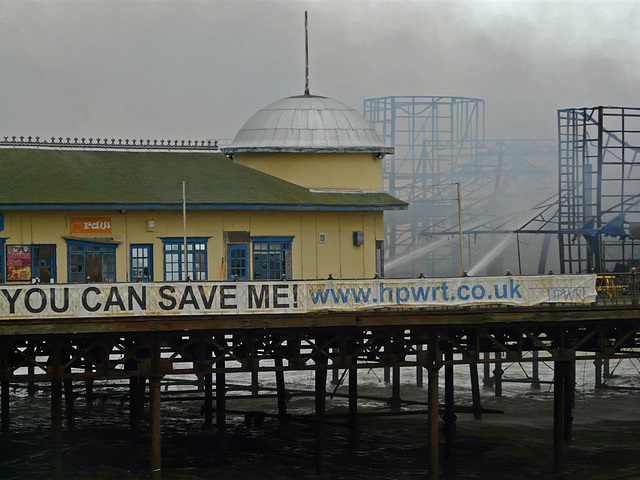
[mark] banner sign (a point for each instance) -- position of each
(90, 224)
(18, 263)
(293, 297)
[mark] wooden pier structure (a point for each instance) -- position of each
(144, 348)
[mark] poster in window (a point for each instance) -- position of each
(18, 263)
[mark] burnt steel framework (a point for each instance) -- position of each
(439, 141)
(599, 188)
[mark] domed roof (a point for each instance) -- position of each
(307, 123)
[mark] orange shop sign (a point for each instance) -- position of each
(90, 224)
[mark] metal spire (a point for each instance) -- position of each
(306, 51)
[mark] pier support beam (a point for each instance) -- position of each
(5, 407)
(31, 369)
(221, 408)
(207, 380)
(353, 402)
(449, 416)
(395, 389)
(56, 428)
(598, 367)
(321, 398)
(134, 419)
(207, 407)
(419, 373)
(434, 440)
(569, 398)
(535, 370)
(497, 375)
(487, 379)
(155, 423)
(475, 391)
(558, 415)
(88, 389)
(155, 461)
(281, 389)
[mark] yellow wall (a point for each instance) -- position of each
(310, 259)
(352, 171)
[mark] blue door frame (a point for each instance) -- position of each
(238, 257)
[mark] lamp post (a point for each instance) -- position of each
(184, 228)
(457, 184)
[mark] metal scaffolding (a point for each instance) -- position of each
(599, 189)
(439, 142)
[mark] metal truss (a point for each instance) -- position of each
(155, 355)
(439, 141)
(598, 182)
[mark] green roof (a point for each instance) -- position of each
(56, 178)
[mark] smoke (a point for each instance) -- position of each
(195, 69)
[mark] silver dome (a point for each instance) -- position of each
(307, 123)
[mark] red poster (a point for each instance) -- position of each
(18, 262)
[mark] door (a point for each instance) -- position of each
(238, 262)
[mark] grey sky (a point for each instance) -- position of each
(199, 69)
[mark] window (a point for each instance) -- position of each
(141, 263)
(174, 258)
(43, 263)
(272, 258)
(2, 242)
(238, 262)
(91, 261)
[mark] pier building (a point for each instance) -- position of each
(298, 195)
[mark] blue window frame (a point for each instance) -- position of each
(272, 258)
(2, 242)
(173, 250)
(91, 261)
(43, 263)
(141, 262)
(238, 262)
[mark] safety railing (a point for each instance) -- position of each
(618, 288)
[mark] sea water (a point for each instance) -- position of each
(517, 443)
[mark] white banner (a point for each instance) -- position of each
(225, 298)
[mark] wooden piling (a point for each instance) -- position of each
(395, 389)
(449, 416)
(598, 370)
(487, 379)
(207, 407)
(88, 392)
(56, 428)
(419, 367)
(497, 375)
(353, 401)
(155, 462)
(434, 441)
(535, 370)
(321, 384)
(155, 424)
(569, 398)
(221, 407)
(281, 389)
(134, 419)
(558, 415)
(475, 391)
